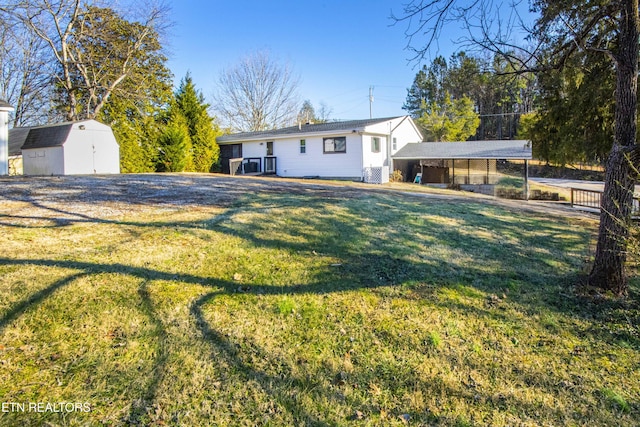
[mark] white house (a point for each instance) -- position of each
(356, 149)
(70, 148)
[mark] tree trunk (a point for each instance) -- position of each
(608, 272)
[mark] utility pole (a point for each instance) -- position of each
(371, 102)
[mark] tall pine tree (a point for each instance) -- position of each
(202, 128)
(174, 146)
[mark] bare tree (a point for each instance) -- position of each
(324, 112)
(94, 48)
(25, 73)
(257, 94)
(561, 30)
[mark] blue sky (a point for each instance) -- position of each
(338, 48)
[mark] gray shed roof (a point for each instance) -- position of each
(512, 149)
(347, 126)
(17, 136)
(47, 136)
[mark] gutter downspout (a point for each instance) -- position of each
(389, 161)
(360, 134)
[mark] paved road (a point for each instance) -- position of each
(570, 183)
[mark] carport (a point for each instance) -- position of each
(469, 164)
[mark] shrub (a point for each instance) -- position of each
(396, 176)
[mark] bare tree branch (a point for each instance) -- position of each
(257, 94)
(94, 55)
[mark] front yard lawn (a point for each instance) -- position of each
(302, 305)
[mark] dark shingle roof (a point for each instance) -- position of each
(349, 126)
(17, 137)
(512, 149)
(47, 136)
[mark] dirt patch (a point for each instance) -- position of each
(31, 200)
(62, 200)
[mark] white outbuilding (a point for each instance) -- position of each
(5, 109)
(70, 148)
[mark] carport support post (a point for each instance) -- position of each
(526, 179)
(5, 109)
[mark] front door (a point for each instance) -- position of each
(270, 164)
(269, 160)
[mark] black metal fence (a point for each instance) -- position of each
(592, 199)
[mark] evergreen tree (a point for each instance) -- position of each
(575, 112)
(308, 113)
(136, 155)
(174, 146)
(499, 95)
(450, 120)
(202, 128)
(428, 87)
(138, 121)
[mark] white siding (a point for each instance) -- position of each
(404, 134)
(401, 129)
(43, 161)
(315, 162)
(255, 149)
(371, 159)
(383, 128)
(291, 163)
(91, 150)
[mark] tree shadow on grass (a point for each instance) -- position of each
(138, 407)
(18, 309)
(375, 249)
(282, 386)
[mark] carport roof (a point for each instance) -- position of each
(511, 149)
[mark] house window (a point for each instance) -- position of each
(375, 144)
(335, 145)
(236, 151)
(303, 146)
(395, 144)
(270, 148)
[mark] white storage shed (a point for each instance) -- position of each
(71, 148)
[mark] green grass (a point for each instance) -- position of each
(308, 308)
